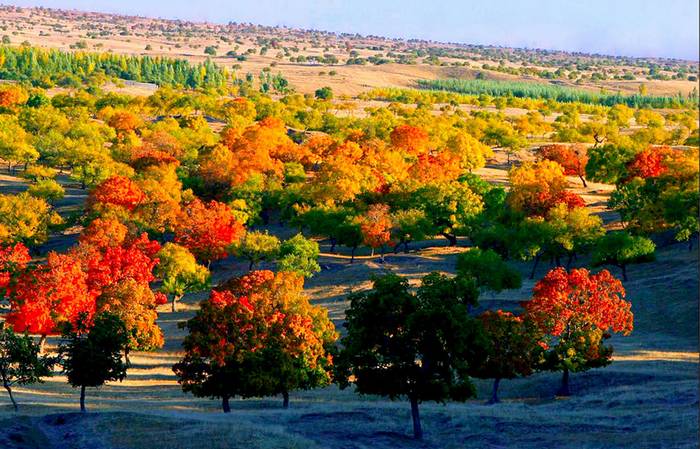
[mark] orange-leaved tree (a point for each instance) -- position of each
(208, 229)
(257, 335)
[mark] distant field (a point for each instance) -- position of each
(545, 91)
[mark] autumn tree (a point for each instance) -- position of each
(91, 354)
(256, 335)
(572, 158)
(535, 188)
(26, 219)
(412, 140)
(13, 262)
(180, 272)
(20, 362)
(620, 249)
(608, 163)
(256, 247)
(208, 229)
(375, 226)
(575, 310)
(416, 346)
(49, 295)
(513, 349)
(15, 146)
(135, 304)
(117, 191)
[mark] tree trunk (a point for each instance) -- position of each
(451, 238)
(285, 399)
(381, 254)
(9, 392)
(251, 265)
(225, 404)
(583, 180)
(417, 430)
(564, 389)
(534, 267)
(624, 272)
(405, 246)
(126, 357)
(371, 254)
(568, 262)
(494, 394)
(176, 298)
(352, 254)
(333, 242)
(82, 399)
(42, 344)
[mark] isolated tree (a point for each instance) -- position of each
(180, 272)
(300, 255)
(513, 349)
(20, 362)
(416, 346)
(375, 226)
(620, 249)
(488, 269)
(91, 354)
(256, 247)
(256, 335)
(324, 93)
(576, 310)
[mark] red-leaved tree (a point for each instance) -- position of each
(576, 310)
(208, 229)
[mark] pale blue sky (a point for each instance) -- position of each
(667, 28)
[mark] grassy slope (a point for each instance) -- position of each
(647, 398)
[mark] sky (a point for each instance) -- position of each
(661, 28)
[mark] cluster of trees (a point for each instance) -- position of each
(553, 92)
(47, 68)
(425, 345)
(656, 189)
